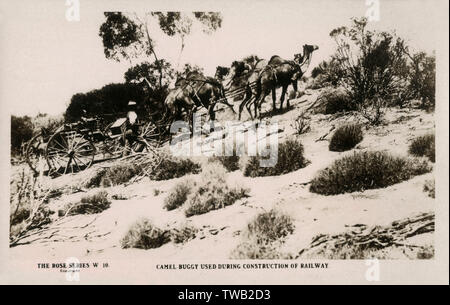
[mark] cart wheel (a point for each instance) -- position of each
(34, 153)
(69, 152)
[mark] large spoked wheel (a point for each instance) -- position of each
(35, 152)
(69, 152)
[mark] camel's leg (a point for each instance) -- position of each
(283, 93)
(252, 101)
(212, 116)
(259, 102)
(294, 85)
(274, 100)
(248, 105)
(242, 105)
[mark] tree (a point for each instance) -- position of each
(127, 36)
(370, 66)
(156, 74)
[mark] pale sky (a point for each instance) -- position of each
(45, 59)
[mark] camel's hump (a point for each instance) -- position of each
(275, 59)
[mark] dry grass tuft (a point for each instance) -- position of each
(424, 146)
(144, 235)
(264, 235)
(213, 192)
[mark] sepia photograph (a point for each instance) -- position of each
(227, 142)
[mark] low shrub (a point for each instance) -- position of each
(115, 175)
(346, 137)
(290, 158)
(424, 146)
(173, 167)
(264, 235)
(178, 195)
(89, 204)
(119, 174)
(213, 192)
(231, 163)
(270, 226)
(144, 235)
(302, 124)
(333, 101)
(366, 170)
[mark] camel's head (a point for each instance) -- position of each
(308, 49)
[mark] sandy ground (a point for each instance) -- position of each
(99, 235)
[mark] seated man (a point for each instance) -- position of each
(131, 131)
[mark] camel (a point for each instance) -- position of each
(281, 73)
(242, 81)
(193, 92)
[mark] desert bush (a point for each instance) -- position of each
(119, 174)
(95, 178)
(270, 226)
(332, 101)
(366, 170)
(173, 167)
(213, 192)
(423, 146)
(144, 235)
(178, 195)
(429, 187)
(231, 163)
(183, 234)
(89, 204)
(302, 124)
(114, 175)
(290, 158)
(264, 235)
(346, 137)
(421, 78)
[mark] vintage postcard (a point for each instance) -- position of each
(224, 142)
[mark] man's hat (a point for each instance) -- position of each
(131, 103)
